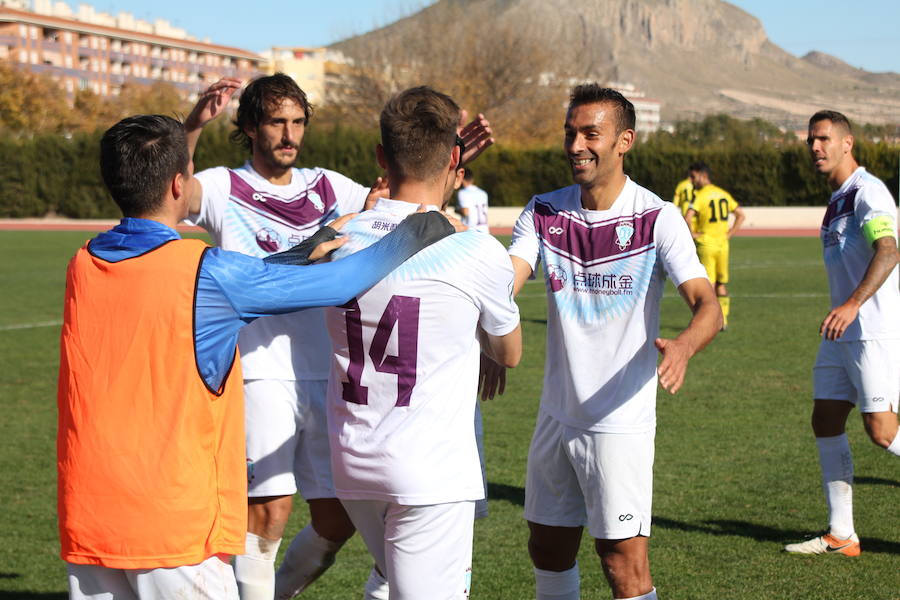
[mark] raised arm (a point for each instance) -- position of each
(698, 294)
(883, 262)
(476, 135)
(210, 105)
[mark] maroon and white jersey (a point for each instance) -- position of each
(847, 251)
(402, 392)
(245, 213)
(604, 273)
(475, 200)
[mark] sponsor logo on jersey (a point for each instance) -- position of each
(626, 517)
(605, 284)
(555, 230)
(258, 197)
(268, 239)
(624, 233)
(557, 278)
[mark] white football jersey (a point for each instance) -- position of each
(402, 392)
(604, 273)
(245, 213)
(861, 198)
(476, 200)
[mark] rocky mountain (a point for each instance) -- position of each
(695, 56)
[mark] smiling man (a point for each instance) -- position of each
(858, 363)
(607, 245)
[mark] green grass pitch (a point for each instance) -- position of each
(736, 471)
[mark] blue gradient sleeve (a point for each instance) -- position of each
(233, 288)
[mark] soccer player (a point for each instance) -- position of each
(151, 461)
(260, 208)
(402, 393)
(473, 203)
(707, 216)
(684, 194)
(606, 245)
(858, 363)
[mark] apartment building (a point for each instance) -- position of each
(87, 49)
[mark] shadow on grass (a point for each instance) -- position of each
(876, 481)
(510, 493)
(764, 533)
(538, 321)
(33, 595)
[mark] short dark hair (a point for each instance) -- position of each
(834, 116)
(699, 167)
(468, 175)
(418, 131)
(590, 93)
(262, 95)
(139, 157)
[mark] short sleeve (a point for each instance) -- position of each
(525, 242)
(351, 196)
(675, 247)
(216, 184)
(874, 201)
(499, 312)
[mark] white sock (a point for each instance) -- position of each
(255, 569)
(557, 585)
(376, 587)
(308, 556)
(894, 448)
(837, 481)
(651, 595)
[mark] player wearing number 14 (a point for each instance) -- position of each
(402, 392)
(708, 219)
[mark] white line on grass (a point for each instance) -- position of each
(30, 325)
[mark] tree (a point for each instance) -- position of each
(30, 103)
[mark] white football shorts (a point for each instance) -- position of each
(425, 551)
(213, 579)
(287, 439)
(577, 477)
(865, 373)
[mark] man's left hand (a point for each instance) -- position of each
(839, 319)
(674, 363)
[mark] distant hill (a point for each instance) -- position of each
(696, 56)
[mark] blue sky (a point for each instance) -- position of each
(864, 33)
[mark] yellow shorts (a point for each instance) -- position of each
(714, 258)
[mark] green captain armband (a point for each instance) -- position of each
(878, 227)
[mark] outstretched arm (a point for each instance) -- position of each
(883, 262)
(707, 321)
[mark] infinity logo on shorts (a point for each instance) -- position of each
(625, 517)
(555, 230)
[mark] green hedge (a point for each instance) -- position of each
(57, 175)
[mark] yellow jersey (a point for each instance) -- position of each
(684, 194)
(712, 205)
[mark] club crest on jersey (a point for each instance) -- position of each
(557, 278)
(624, 233)
(316, 201)
(268, 240)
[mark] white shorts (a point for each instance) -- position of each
(602, 480)
(213, 579)
(865, 373)
(425, 551)
(287, 439)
